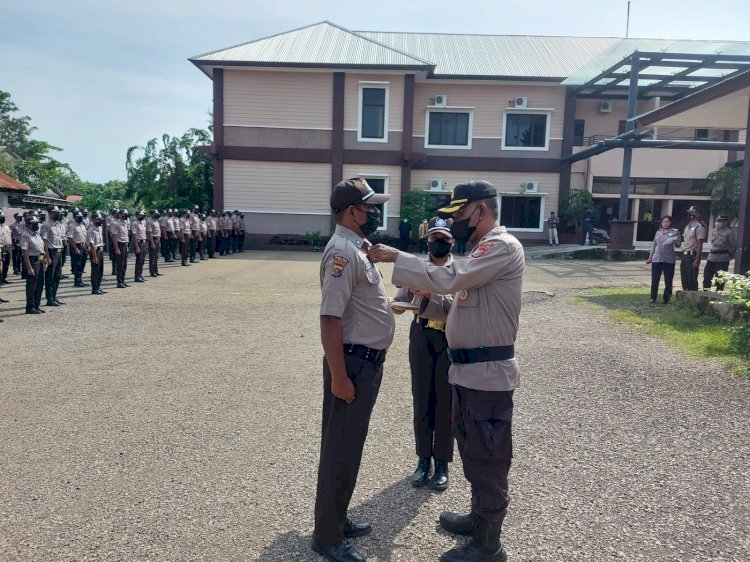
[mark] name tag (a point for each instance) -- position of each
(369, 265)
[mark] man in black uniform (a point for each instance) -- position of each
(356, 329)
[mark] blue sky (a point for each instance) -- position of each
(98, 76)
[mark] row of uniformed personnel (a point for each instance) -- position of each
(38, 243)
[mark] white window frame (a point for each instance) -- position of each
(375, 85)
(469, 110)
(544, 148)
(542, 213)
(386, 188)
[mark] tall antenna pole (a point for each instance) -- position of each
(627, 22)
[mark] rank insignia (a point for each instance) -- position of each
(339, 265)
(482, 249)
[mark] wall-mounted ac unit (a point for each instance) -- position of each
(521, 102)
(605, 107)
(531, 187)
(441, 100)
(437, 185)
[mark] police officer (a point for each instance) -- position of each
(16, 238)
(225, 229)
(120, 232)
(722, 249)
(54, 236)
(212, 223)
(95, 243)
(78, 248)
(429, 362)
(356, 326)
(174, 240)
(6, 248)
(693, 238)
(195, 232)
(139, 237)
(112, 217)
(34, 257)
(153, 241)
(185, 234)
(662, 258)
(241, 233)
(481, 332)
(202, 250)
(163, 223)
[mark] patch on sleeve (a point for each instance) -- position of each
(482, 249)
(339, 265)
(462, 295)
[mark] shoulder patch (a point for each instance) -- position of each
(482, 249)
(339, 265)
(462, 295)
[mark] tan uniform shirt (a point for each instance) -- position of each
(434, 308)
(6, 238)
(32, 243)
(204, 228)
(195, 222)
(212, 223)
(225, 223)
(119, 231)
(694, 231)
(15, 231)
(354, 290)
(53, 232)
(722, 246)
(94, 236)
(77, 233)
(139, 229)
(185, 226)
(153, 227)
(662, 248)
(486, 304)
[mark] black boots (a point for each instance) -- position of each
(440, 477)
(485, 546)
(422, 473)
(458, 524)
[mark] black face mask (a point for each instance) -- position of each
(56, 216)
(439, 248)
(371, 225)
(34, 227)
(98, 222)
(79, 219)
(461, 231)
(2, 219)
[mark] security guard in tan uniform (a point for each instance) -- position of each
(481, 331)
(185, 234)
(34, 258)
(120, 231)
(153, 240)
(95, 243)
(429, 362)
(77, 245)
(722, 249)
(693, 238)
(53, 234)
(357, 327)
(139, 245)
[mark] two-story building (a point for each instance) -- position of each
(297, 112)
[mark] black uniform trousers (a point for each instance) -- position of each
(153, 258)
(241, 240)
(17, 257)
(140, 257)
(35, 284)
(193, 245)
(688, 273)
(122, 262)
(112, 254)
(482, 427)
(431, 392)
(97, 270)
(342, 441)
(53, 274)
(211, 243)
(78, 261)
(657, 270)
(184, 247)
(6, 259)
(710, 270)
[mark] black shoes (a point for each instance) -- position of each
(140, 280)
(122, 286)
(422, 473)
(352, 529)
(458, 524)
(439, 480)
(98, 292)
(339, 552)
(153, 275)
(33, 311)
(485, 545)
(53, 303)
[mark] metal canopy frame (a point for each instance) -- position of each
(669, 76)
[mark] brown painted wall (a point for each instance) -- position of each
(277, 138)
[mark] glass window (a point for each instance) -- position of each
(610, 185)
(701, 134)
(578, 128)
(650, 186)
(521, 212)
(373, 113)
(378, 185)
(448, 128)
(527, 130)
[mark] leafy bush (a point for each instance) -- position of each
(574, 206)
(313, 238)
(737, 288)
(415, 208)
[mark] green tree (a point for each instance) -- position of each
(104, 196)
(574, 205)
(171, 171)
(726, 188)
(415, 207)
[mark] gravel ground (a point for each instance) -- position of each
(179, 420)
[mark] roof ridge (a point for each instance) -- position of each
(489, 34)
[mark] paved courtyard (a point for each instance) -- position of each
(179, 420)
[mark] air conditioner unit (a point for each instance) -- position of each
(441, 100)
(521, 102)
(437, 185)
(605, 107)
(531, 187)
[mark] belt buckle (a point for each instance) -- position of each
(436, 324)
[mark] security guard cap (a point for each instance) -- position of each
(465, 193)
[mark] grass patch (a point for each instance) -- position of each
(677, 323)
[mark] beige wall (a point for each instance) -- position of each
(277, 187)
(598, 123)
(255, 98)
(395, 99)
(660, 163)
(489, 102)
(393, 173)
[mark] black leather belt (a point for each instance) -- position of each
(483, 354)
(364, 352)
(719, 251)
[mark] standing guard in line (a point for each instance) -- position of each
(95, 243)
(120, 235)
(53, 234)
(225, 228)
(86, 219)
(185, 232)
(163, 220)
(112, 217)
(6, 248)
(212, 224)
(174, 241)
(722, 249)
(195, 232)
(241, 233)
(65, 221)
(15, 235)
(235, 230)
(153, 238)
(139, 245)
(77, 244)
(693, 238)
(34, 258)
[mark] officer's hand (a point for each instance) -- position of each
(382, 253)
(696, 264)
(648, 261)
(30, 273)
(343, 389)
(117, 251)
(95, 260)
